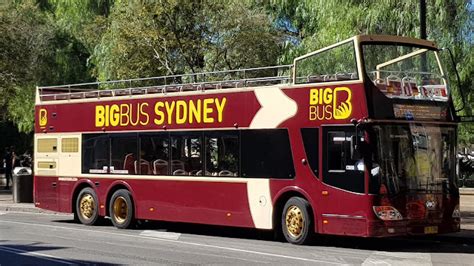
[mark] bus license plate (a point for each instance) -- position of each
(431, 229)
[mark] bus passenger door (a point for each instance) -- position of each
(343, 195)
(69, 168)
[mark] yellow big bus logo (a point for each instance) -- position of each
(327, 103)
(43, 118)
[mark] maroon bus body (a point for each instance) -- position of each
(224, 203)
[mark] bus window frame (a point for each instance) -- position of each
(358, 58)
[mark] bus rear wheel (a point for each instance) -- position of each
(296, 222)
(87, 207)
(121, 209)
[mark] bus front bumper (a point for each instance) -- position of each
(407, 227)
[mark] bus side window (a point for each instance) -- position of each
(154, 150)
(222, 153)
(331, 65)
(311, 140)
(186, 155)
(266, 153)
(124, 155)
(95, 153)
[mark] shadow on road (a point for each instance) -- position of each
(35, 254)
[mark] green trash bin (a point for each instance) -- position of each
(22, 185)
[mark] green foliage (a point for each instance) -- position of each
(33, 51)
(24, 53)
(171, 37)
(20, 108)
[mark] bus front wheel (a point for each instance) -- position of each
(87, 206)
(296, 222)
(121, 209)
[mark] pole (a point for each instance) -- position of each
(423, 32)
(422, 19)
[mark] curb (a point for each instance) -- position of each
(25, 209)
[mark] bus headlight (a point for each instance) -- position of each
(387, 213)
(457, 212)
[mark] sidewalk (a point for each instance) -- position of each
(7, 204)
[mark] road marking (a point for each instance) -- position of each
(2, 213)
(36, 255)
(398, 258)
(161, 234)
(181, 242)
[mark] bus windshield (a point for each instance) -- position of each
(413, 157)
(403, 71)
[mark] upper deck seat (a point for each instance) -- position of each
(409, 87)
(121, 92)
(144, 167)
(128, 163)
(343, 76)
(381, 84)
(225, 173)
(172, 88)
(206, 173)
(160, 167)
(211, 86)
(91, 94)
(180, 172)
(189, 87)
(394, 85)
(105, 93)
(158, 89)
(64, 96)
(314, 78)
(137, 91)
(77, 95)
(195, 172)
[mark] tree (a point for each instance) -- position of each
(33, 51)
(172, 37)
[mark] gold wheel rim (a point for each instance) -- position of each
(87, 206)
(294, 220)
(120, 209)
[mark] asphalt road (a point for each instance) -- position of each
(51, 239)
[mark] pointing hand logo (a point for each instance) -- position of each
(43, 117)
(344, 109)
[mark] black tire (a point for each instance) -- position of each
(297, 221)
(121, 209)
(87, 207)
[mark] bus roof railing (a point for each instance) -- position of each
(251, 77)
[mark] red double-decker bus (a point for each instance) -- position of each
(357, 139)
